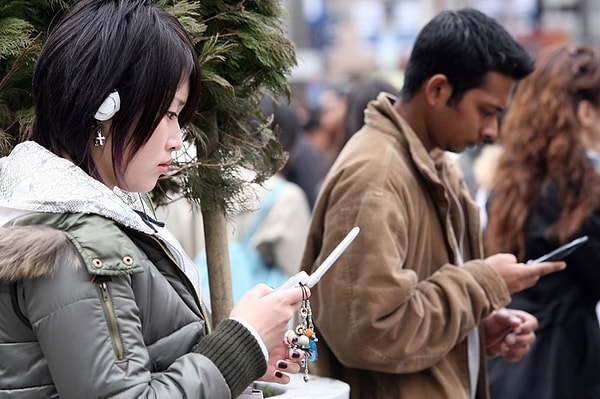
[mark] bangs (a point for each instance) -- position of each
(156, 77)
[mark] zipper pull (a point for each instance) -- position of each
(104, 289)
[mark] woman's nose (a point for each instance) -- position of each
(176, 139)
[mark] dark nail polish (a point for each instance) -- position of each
(278, 374)
(295, 355)
(282, 365)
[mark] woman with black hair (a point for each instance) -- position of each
(97, 299)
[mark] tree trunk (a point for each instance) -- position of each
(217, 259)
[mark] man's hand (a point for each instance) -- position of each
(509, 333)
(519, 276)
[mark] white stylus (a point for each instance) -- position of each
(313, 279)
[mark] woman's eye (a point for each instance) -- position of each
(172, 115)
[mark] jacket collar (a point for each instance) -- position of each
(392, 122)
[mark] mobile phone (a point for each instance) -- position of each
(560, 252)
(311, 280)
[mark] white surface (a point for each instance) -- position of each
(316, 387)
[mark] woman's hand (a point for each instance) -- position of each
(269, 311)
(282, 361)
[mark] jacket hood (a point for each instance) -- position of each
(30, 252)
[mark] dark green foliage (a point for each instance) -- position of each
(23, 29)
(243, 55)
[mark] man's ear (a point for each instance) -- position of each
(437, 89)
(587, 113)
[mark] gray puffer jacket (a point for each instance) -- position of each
(90, 308)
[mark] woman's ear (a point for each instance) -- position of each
(587, 114)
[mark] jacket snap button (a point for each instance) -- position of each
(128, 260)
(97, 263)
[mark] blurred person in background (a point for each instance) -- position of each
(318, 144)
(359, 96)
(328, 133)
(546, 192)
(306, 165)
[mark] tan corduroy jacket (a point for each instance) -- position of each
(393, 313)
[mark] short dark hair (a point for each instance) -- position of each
(464, 45)
(100, 46)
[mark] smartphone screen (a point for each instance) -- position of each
(560, 252)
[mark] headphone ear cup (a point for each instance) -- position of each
(109, 107)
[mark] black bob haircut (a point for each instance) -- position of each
(100, 46)
(464, 45)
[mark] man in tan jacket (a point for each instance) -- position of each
(412, 308)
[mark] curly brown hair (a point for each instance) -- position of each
(541, 138)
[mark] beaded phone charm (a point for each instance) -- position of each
(304, 336)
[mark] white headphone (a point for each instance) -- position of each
(109, 107)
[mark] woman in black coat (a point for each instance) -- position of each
(546, 193)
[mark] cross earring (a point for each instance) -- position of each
(99, 139)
